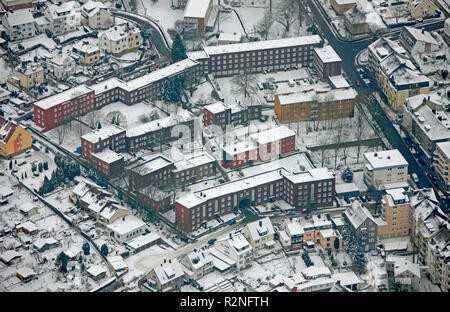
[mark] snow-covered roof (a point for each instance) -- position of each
(383, 47)
(263, 45)
(64, 10)
(26, 207)
(315, 174)
(126, 225)
(397, 194)
(117, 263)
(197, 8)
(9, 255)
(28, 225)
(110, 211)
(103, 133)
(434, 125)
(106, 85)
(91, 5)
(406, 266)
(166, 122)
(143, 240)
(347, 278)
(6, 191)
(239, 243)
(96, 270)
(229, 37)
(81, 189)
(294, 227)
(217, 107)
(86, 47)
(316, 271)
(260, 228)
(272, 135)
(444, 147)
(225, 261)
(162, 73)
(346, 188)
(338, 82)
(19, 17)
(327, 54)
(357, 214)
(25, 272)
(420, 35)
(341, 94)
(108, 156)
(41, 242)
(385, 159)
(355, 16)
(240, 147)
(344, 2)
(169, 271)
(199, 259)
(117, 33)
(73, 251)
(190, 200)
(193, 162)
(152, 165)
(64, 96)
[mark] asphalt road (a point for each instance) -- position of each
(348, 51)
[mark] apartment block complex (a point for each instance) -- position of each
(385, 169)
(155, 171)
(299, 190)
(59, 108)
(232, 59)
(315, 105)
(327, 62)
(111, 137)
(262, 146)
(397, 212)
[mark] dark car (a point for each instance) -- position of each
(358, 83)
(212, 240)
(421, 161)
(231, 222)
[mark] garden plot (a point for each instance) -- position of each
(68, 135)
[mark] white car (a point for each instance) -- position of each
(415, 178)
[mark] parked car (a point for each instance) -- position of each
(231, 222)
(415, 178)
(212, 240)
(358, 83)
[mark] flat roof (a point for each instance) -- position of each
(62, 97)
(327, 54)
(143, 240)
(197, 8)
(272, 135)
(102, 134)
(385, 159)
(338, 82)
(126, 224)
(152, 165)
(108, 156)
(263, 45)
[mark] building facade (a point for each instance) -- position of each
(397, 212)
(441, 163)
(30, 75)
(327, 62)
(19, 24)
(120, 39)
(64, 17)
(14, 138)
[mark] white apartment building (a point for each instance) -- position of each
(120, 39)
(19, 24)
(60, 64)
(63, 18)
(237, 248)
(385, 169)
(96, 15)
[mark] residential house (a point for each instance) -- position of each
(19, 24)
(355, 20)
(362, 224)
(199, 263)
(13, 138)
(260, 233)
(110, 137)
(112, 212)
(407, 273)
(28, 209)
(126, 228)
(60, 65)
(27, 227)
(86, 53)
(63, 17)
(29, 75)
(327, 239)
(43, 244)
(10, 257)
(167, 277)
(96, 272)
(418, 41)
(294, 231)
(420, 9)
(143, 242)
(73, 253)
(120, 39)
(96, 15)
(385, 169)
(349, 280)
(119, 266)
(237, 248)
(25, 274)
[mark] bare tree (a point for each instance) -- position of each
(323, 141)
(338, 139)
(263, 27)
(93, 118)
(61, 131)
(286, 14)
(245, 83)
(222, 17)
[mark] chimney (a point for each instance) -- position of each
(260, 223)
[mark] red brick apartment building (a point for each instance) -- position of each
(62, 107)
(310, 189)
(108, 162)
(155, 171)
(327, 62)
(216, 114)
(111, 137)
(262, 146)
